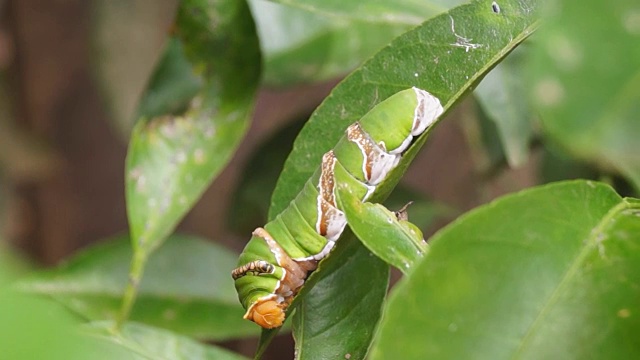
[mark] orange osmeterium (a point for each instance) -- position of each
(267, 313)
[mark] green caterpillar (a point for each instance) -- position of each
(279, 257)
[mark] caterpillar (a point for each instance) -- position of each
(279, 256)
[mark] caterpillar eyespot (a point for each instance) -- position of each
(278, 258)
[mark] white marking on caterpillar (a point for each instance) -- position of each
(370, 190)
(326, 250)
(377, 161)
(331, 221)
(462, 41)
(426, 113)
(402, 147)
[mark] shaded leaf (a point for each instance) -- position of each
(339, 324)
(381, 11)
(173, 84)
(145, 342)
(172, 159)
(557, 165)
(503, 97)
(586, 82)
(550, 272)
(186, 288)
(311, 41)
(35, 328)
(250, 202)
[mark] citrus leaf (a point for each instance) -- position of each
(324, 318)
(550, 272)
(503, 97)
(35, 328)
(186, 288)
(379, 230)
(145, 342)
(379, 11)
(586, 82)
(173, 158)
(311, 41)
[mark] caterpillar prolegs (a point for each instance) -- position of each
(278, 258)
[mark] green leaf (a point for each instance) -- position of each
(145, 342)
(250, 203)
(128, 38)
(446, 56)
(172, 159)
(503, 97)
(173, 84)
(381, 11)
(187, 287)
(586, 82)
(311, 41)
(381, 232)
(547, 273)
(35, 328)
(339, 321)
(557, 165)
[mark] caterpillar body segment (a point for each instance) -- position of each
(278, 258)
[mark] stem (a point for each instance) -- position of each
(130, 293)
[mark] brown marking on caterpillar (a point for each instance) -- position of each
(269, 311)
(377, 161)
(358, 136)
(327, 181)
(331, 221)
(326, 199)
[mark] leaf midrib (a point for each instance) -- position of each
(590, 243)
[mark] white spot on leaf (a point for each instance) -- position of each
(199, 156)
(169, 314)
(624, 313)
(549, 92)
(181, 157)
(565, 52)
(631, 21)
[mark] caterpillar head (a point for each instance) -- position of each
(268, 313)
